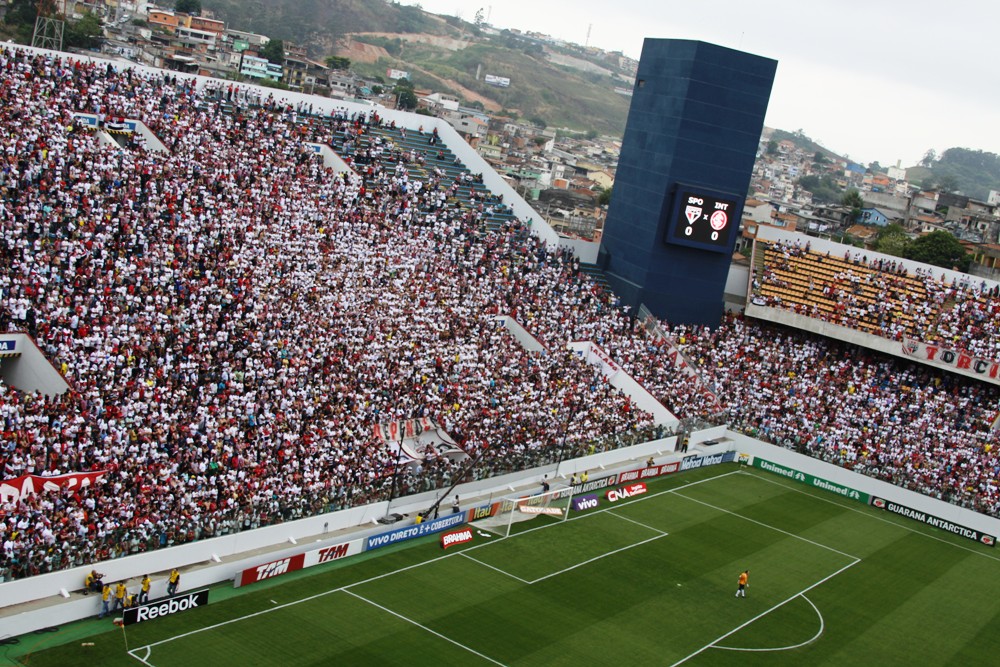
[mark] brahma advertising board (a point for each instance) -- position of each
(414, 531)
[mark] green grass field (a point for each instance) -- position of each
(645, 581)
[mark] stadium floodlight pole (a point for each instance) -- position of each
(574, 409)
(458, 480)
(395, 472)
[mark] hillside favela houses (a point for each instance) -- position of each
(568, 176)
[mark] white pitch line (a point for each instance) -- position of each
(761, 523)
(497, 569)
(822, 626)
(301, 600)
(415, 565)
(638, 523)
(591, 560)
(870, 515)
(425, 628)
(145, 660)
(763, 614)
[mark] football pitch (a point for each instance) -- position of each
(648, 580)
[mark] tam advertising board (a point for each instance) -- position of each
(165, 607)
(275, 568)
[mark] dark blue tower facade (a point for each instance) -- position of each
(687, 157)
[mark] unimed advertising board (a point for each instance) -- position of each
(165, 607)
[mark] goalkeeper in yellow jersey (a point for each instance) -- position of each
(741, 591)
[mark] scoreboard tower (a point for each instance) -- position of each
(687, 156)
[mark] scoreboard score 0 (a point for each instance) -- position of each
(703, 219)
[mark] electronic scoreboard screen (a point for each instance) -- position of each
(703, 219)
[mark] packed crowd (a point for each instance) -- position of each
(235, 320)
(905, 423)
(883, 297)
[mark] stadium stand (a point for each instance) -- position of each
(235, 320)
(879, 296)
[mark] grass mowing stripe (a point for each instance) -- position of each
(822, 626)
(869, 513)
(425, 628)
(299, 601)
(409, 567)
(761, 615)
(638, 523)
(761, 523)
(596, 558)
(496, 569)
(660, 604)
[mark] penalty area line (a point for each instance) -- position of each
(596, 558)
(494, 568)
(763, 614)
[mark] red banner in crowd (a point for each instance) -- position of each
(28, 485)
(396, 431)
(954, 360)
(416, 440)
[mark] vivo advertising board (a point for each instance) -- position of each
(414, 531)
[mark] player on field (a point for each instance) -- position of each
(742, 583)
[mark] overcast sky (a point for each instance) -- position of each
(881, 80)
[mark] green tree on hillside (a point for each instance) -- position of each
(274, 51)
(892, 240)
(853, 199)
(338, 62)
(940, 249)
(604, 199)
(406, 99)
(192, 7)
(86, 33)
(823, 189)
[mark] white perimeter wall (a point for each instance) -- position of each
(231, 549)
(32, 371)
(833, 473)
